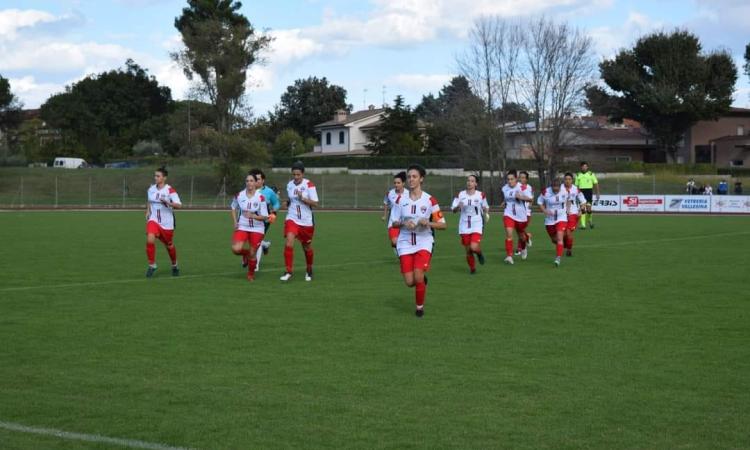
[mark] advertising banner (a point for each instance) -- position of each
(737, 204)
(642, 203)
(688, 203)
(607, 203)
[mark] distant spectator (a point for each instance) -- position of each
(722, 188)
(738, 188)
(690, 187)
(708, 190)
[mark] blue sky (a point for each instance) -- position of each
(404, 47)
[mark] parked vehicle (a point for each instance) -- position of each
(69, 163)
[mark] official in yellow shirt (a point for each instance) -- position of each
(587, 183)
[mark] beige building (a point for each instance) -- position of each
(723, 142)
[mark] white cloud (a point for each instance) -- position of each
(420, 82)
(32, 93)
(14, 20)
(609, 40)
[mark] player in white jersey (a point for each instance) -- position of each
(389, 200)
(249, 215)
(299, 224)
(161, 201)
(515, 215)
(523, 178)
(474, 209)
(555, 205)
(577, 201)
(416, 215)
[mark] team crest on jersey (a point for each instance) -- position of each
(255, 205)
(423, 209)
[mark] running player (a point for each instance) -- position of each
(161, 201)
(515, 216)
(299, 224)
(577, 201)
(587, 183)
(249, 214)
(416, 214)
(523, 178)
(555, 205)
(472, 204)
(389, 200)
(272, 200)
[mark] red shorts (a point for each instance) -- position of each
(419, 260)
(509, 222)
(302, 233)
(160, 233)
(553, 229)
(393, 233)
(253, 238)
(572, 222)
(467, 239)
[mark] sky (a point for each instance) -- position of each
(375, 49)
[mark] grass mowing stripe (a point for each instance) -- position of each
(96, 438)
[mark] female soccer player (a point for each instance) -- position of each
(249, 214)
(299, 223)
(272, 200)
(523, 178)
(555, 205)
(515, 216)
(389, 200)
(577, 200)
(472, 204)
(416, 214)
(161, 201)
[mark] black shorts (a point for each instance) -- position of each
(588, 194)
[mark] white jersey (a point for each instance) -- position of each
(301, 213)
(389, 200)
(530, 193)
(514, 208)
(406, 209)
(576, 198)
(256, 205)
(556, 205)
(471, 211)
(160, 213)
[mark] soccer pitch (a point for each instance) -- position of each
(640, 340)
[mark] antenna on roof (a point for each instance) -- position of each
(384, 91)
(364, 98)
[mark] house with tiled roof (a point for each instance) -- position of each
(347, 133)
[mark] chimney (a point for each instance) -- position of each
(339, 115)
(371, 107)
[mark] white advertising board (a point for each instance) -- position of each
(642, 203)
(607, 203)
(688, 203)
(737, 204)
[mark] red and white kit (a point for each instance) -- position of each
(414, 247)
(299, 212)
(556, 205)
(471, 222)
(390, 200)
(530, 193)
(161, 214)
(516, 214)
(255, 205)
(576, 200)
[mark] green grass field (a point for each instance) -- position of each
(641, 340)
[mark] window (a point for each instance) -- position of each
(740, 130)
(341, 137)
(618, 159)
(328, 138)
(737, 162)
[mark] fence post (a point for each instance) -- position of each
(452, 190)
(89, 191)
(124, 183)
(356, 178)
(224, 192)
(618, 185)
(322, 191)
(192, 179)
(55, 191)
(22, 205)
(653, 178)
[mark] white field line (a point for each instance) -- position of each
(349, 264)
(96, 438)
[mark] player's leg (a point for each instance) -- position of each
(421, 266)
(466, 243)
(509, 226)
(521, 232)
(256, 241)
(167, 238)
(238, 246)
(590, 214)
(560, 232)
(476, 247)
(290, 234)
(309, 255)
(569, 230)
(152, 230)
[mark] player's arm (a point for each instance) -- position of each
(173, 200)
(456, 205)
(436, 220)
(523, 197)
(540, 202)
(261, 214)
(396, 221)
(385, 208)
(596, 187)
(148, 208)
(567, 205)
(311, 199)
(234, 217)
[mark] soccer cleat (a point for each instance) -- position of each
(150, 271)
(591, 225)
(569, 252)
(308, 276)
(557, 262)
(524, 254)
(517, 253)
(508, 260)
(286, 277)
(480, 258)
(266, 245)
(250, 277)
(528, 243)
(472, 271)
(175, 271)
(245, 261)
(419, 312)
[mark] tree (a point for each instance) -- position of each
(232, 150)
(287, 144)
(747, 60)
(398, 133)
(307, 103)
(220, 47)
(10, 108)
(667, 83)
(104, 115)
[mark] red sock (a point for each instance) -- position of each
(289, 258)
(509, 247)
(559, 249)
(521, 243)
(309, 259)
(151, 253)
(251, 265)
(420, 290)
(570, 243)
(566, 242)
(172, 254)
(470, 260)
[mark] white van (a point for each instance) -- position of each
(69, 163)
